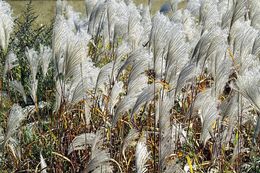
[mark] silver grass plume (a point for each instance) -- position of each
(127, 103)
(17, 86)
(230, 109)
(43, 164)
(256, 46)
(68, 53)
(6, 24)
(187, 74)
(254, 14)
(90, 4)
(81, 141)
(194, 7)
(207, 107)
(140, 54)
(79, 91)
(141, 155)
(146, 22)
(136, 85)
(190, 27)
(103, 79)
(135, 29)
(99, 159)
(174, 134)
(209, 14)
(45, 55)
(73, 19)
(207, 46)
(114, 95)
(14, 147)
(248, 85)
(164, 116)
(177, 54)
(146, 96)
(220, 63)
(33, 59)
(33, 90)
(242, 37)
(72, 58)
(130, 140)
(170, 134)
(158, 40)
(235, 13)
(16, 116)
(85, 84)
(96, 18)
(10, 62)
(139, 68)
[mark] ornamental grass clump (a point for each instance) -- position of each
(120, 89)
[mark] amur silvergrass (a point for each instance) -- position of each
(174, 91)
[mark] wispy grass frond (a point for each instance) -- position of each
(61, 34)
(73, 57)
(103, 79)
(33, 90)
(130, 140)
(170, 137)
(147, 95)
(124, 105)
(100, 158)
(241, 36)
(158, 40)
(210, 17)
(10, 62)
(177, 54)
(248, 85)
(236, 11)
(208, 112)
(187, 74)
(96, 19)
(16, 116)
(6, 24)
(135, 29)
(33, 59)
(81, 141)
(190, 27)
(43, 164)
(135, 87)
(45, 55)
(146, 22)
(254, 14)
(13, 146)
(163, 113)
(135, 56)
(17, 86)
(90, 5)
(139, 67)
(114, 96)
(194, 7)
(230, 109)
(208, 44)
(142, 156)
